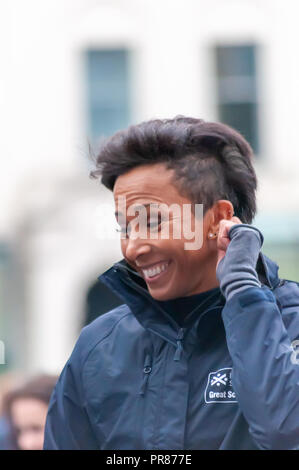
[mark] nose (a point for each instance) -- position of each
(135, 247)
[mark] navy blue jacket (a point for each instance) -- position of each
(228, 380)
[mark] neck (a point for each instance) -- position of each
(208, 282)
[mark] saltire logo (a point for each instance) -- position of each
(219, 387)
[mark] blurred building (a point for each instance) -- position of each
(73, 71)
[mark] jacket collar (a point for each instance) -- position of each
(130, 286)
(267, 271)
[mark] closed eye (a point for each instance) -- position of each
(154, 223)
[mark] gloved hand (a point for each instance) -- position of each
(236, 270)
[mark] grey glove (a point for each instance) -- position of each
(236, 271)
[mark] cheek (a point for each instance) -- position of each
(173, 250)
(123, 246)
(195, 258)
(171, 247)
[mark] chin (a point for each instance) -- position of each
(162, 295)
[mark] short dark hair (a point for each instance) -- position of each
(211, 161)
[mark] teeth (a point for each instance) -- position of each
(154, 271)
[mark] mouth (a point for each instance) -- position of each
(155, 272)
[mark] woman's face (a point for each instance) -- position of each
(28, 417)
(182, 272)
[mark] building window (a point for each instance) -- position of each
(237, 101)
(108, 100)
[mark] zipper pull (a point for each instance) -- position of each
(146, 371)
(179, 349)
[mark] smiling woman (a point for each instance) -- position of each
(178, 163)
(168, 269)
(191, 358)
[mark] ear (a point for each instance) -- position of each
(222, 209)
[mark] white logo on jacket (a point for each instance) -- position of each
(219, 387)
(295, 353)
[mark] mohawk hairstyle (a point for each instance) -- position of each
(211, 161)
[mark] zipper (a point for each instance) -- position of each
(147, 368)
(179, 349)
